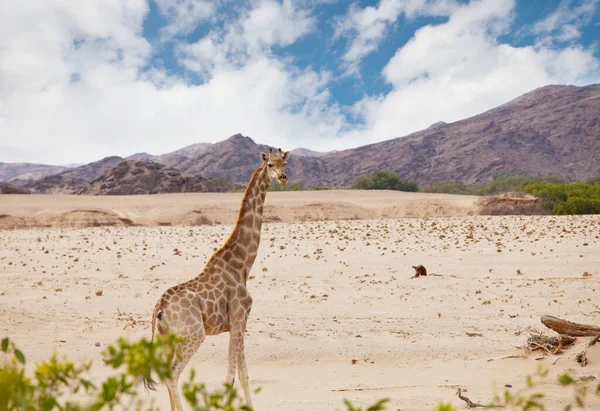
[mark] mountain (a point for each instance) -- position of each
(72, 180)
(141, 156)
(131, 177)
(174, 158)
(16, 173)
(8, 189)
(551, 131)
(190, 151)
(305, 152)
(238, 157)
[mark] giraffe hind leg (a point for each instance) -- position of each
(188, 325)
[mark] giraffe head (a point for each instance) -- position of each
(276, 162)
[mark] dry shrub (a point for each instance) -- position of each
(514, 203)
(538, 341)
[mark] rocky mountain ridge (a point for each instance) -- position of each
(551, 131)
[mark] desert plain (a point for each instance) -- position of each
(336, 315)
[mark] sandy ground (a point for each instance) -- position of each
(19, 211)
(325, 293)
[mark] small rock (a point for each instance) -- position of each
(508, 385)
(97, 344)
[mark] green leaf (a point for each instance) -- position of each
(5, 342)
(565, 379)
(20, 356)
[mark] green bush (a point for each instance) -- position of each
(571, 198)
(501, 183)
(57, 380)
(383, 180)
(593, 180)
(578, 205)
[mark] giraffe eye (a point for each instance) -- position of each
(270, 165)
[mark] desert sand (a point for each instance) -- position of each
(336, 315)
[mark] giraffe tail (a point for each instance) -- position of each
(149, 383)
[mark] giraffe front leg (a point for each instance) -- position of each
(232, 356)
(243, 373)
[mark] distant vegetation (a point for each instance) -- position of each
(501, 183)
(219, 184)
(556, 195)
(383, 180)
(571, 198)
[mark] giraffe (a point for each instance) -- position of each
(217, 300)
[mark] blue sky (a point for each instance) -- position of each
(85, 80)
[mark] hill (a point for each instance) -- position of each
(73, 180)
(130, 177)
(551, 131)
(18, 173)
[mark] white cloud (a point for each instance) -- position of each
(368, 25)
(276, 24)
(74, 88)
(268, 24)
(563, 24)
(184, 15)
(458, 69)
(75, 84)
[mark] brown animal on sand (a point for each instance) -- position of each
(419, 271)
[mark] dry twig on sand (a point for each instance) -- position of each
(537, 341)
(126, 317)
(470, 404)
(581, 358)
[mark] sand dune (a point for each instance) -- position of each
(327, 294)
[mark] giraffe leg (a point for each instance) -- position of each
(188, 325)
(172, 388)
(184, 351)
(243, 372)
(234, 338)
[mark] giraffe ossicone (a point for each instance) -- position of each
(217, 300)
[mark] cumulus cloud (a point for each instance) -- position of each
(366, 27)
(564, 23)
(458, 69)
(79, 88)
(78, 81)
(184, 15)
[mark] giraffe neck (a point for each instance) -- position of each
(241, 248)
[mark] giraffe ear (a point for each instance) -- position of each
(285, 156)
(264, 157)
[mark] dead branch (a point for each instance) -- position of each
(569, 328)
(470, 404)
(537, 341)
(581, 358)
(128, 317)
